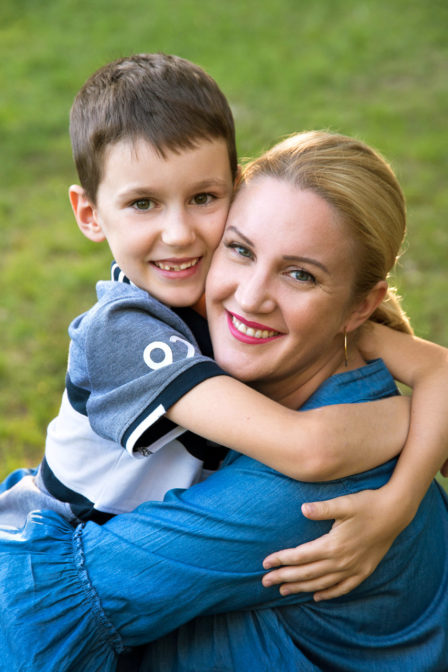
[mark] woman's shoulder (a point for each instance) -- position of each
(367, 383)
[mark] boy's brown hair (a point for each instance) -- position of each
(167, 100)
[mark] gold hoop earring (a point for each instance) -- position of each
(345, 349)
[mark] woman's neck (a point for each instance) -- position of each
(295, 392)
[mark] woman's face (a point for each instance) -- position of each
(279, 289)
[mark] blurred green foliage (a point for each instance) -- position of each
(374, 69)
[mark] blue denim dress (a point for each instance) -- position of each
(187, 573)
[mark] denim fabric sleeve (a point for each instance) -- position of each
(142, 574)
(201, 550)
(50, 615)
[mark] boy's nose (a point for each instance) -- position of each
(178, 231)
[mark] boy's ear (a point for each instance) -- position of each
(85, 214)
(367, 306)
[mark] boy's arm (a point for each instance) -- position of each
(423, 366)
(149, 368)
(367, 523)
(314, 445)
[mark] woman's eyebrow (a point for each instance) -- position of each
(286, 257)
(241, 235)
(307, 260)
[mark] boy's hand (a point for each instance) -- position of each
(366, 524)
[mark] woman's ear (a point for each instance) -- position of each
(367, 306)
(85, 214)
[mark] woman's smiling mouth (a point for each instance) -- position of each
(250, 332)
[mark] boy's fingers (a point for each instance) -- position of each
(298, 574)
(339, 589)
(328, 509)
(324, 584)
(312, 551)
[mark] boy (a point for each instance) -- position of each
(154, 145)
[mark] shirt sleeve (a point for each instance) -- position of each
(141, 359)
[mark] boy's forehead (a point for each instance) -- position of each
(137, 146)
(132, 158)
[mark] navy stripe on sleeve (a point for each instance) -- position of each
(81, 506)
(139, 433)
(77, 396)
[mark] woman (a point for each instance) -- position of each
(303, 263)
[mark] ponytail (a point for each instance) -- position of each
(391, 313)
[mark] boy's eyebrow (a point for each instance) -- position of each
(140, 191)
(286, 257)
(210, 182)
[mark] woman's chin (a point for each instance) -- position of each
(235, 367)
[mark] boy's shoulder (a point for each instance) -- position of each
(124, 306)
(126, 316)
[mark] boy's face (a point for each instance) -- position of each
(163, 217)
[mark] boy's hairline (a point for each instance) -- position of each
(139, 93)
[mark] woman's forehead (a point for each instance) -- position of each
(281, 221)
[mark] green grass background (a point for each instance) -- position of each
(372, 68)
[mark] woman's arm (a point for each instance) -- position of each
(315, 445)
(367, 523)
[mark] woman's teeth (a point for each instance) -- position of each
(176, 267)
(249, 331)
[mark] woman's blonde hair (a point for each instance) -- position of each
(362, 188)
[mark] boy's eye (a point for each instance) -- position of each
(301, 275)
(143, 204)
(202, 199)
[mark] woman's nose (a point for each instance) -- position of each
(178, 230)
(253, 294)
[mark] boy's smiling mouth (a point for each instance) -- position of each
(176, 265)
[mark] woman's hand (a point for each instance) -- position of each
(365, 526)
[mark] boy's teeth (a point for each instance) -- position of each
(176, 267)
(249, 331)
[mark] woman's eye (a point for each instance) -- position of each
(240, 250)
(301, 275)
(202, 199)
(143, 204)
